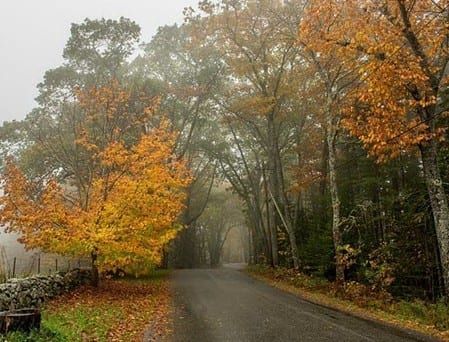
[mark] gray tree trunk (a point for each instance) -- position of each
(279, 197)
(439, 204)
(272, 228)
(335, 199)
(274, 241)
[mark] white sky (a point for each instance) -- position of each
(33, 34)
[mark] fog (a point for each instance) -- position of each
(33, 34)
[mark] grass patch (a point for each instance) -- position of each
(42, 336)
(119, 310)
(430, 314)
(358, 299)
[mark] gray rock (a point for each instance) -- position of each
(33, 291)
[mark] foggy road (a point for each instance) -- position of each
(227, 305)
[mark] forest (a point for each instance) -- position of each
(314, 133)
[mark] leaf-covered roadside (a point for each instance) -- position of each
(360, 300)
(119, 310)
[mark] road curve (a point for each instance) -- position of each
(227, 305)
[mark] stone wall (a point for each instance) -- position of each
(33, 291)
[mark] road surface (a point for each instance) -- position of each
(227, 305)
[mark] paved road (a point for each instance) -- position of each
(227, 305)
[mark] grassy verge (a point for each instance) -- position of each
(119, 310)
(360, 300)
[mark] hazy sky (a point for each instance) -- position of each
(33, 34)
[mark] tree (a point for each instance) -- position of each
(400, 49)
(111, 194)
(96, 52)
(334, 76)
(258, 41)
(186, 75)
(221, 215)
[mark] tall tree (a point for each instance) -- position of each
(259, 43)
(106, 195)
(186, 74)
(333, 76)
(402, 57)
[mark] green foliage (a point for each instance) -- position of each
(97, 51)
(92, 323)
(317, 250)
(426, 313)
(72, 325)
(44, 335)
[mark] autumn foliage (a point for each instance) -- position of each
(120, 205)
(399, 51)
(119, 310)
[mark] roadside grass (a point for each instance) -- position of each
(119, 310)
(360, 300)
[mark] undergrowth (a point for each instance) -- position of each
(427, 317)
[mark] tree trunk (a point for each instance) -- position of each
(272, 229)
(164, 261)
(293, 246)
(251, 247)
(439, 204)
(335, 199)
(274, 243)
(215, 254)
(95, 273)
(278, 196)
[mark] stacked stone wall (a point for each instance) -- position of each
(33, 291)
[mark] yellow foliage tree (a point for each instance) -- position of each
(122, 211)
(401, 52)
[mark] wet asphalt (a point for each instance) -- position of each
(227, 305)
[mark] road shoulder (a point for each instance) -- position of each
(383, 320)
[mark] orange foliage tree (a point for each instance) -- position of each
(120, 205)
(333, 77)
(401, 51)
